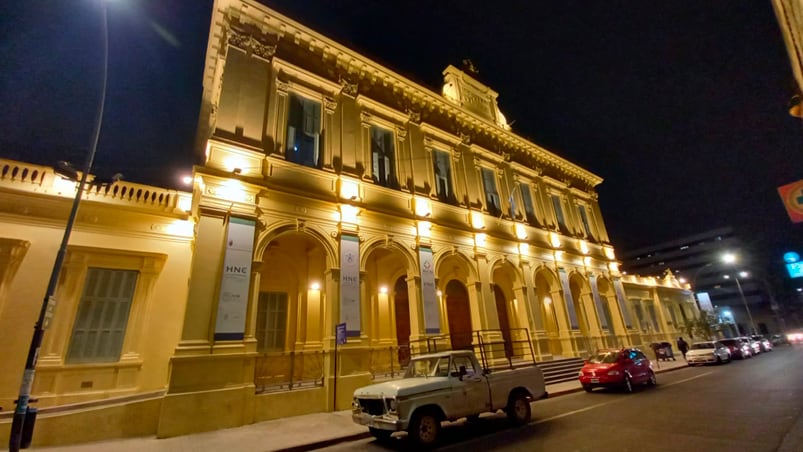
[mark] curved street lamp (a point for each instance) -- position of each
(15, 440)
(730, 258)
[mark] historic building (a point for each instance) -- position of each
(336, 192)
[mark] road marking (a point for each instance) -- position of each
(571, 413)
(687, 379)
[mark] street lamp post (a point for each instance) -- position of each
(15, 440)
(731, 259)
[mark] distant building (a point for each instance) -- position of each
(697, 260)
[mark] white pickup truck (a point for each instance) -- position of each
(445, 386)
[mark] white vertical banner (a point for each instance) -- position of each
(620, 297)
(350, 283)
(235, 281)
(567, 296)
(429, 296)
(603, 318)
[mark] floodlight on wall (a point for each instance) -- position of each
(383, 290)
(480, 239)
(521, 231)
(422, 207)
(583, 247)
(237, 170)
(547, 301)
(613, 267)
(524, 248)
(65, 170)
(348, 214)
(554, 240)
(424, 229)
(477, 220)
(348, 189)
(587, 261)
(315, 286)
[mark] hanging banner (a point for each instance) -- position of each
(350, 283)
(601, 313)
(235, 281)
(429, 295)
(567, 296)
(620, 297)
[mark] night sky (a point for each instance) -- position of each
(681, 106)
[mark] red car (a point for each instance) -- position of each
(623, 368)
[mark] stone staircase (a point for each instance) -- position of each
(559, 370)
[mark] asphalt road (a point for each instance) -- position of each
(751, 405)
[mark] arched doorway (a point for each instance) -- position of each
(504, 321)
(459, 314)
(544, 290)
(402, 309)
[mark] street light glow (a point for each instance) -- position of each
(744, 274)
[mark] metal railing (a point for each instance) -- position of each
(286, 371)
(389, 362)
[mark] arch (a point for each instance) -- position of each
(288, 312)
(384, 266)
(580, 288)
(454, 264)
(505, 277)
(547, 288)
(266, 236)
(411, 261)
(608, 299)
(458, 313)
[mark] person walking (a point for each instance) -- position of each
(683, 346)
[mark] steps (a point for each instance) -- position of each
(560, 370)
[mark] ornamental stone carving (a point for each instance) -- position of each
(251, 45)
(330, 105)
(348, 88)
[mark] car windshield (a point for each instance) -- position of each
(604, 358)
(428, 367)
(702, 345)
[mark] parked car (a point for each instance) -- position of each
(445, 386)
(623, 368)
(779, 339)
(766, 345)
(707, 353)
(755, 345)
(738, 348)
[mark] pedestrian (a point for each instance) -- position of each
(683, 347)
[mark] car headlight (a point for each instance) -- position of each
(614, 372)
(392, 405)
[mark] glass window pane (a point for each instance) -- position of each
(303, 131)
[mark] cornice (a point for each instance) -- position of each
(353, 66)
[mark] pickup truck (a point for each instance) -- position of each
(445, 386)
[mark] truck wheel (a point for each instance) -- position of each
(379, 434)
(518, 409)
(425, 428)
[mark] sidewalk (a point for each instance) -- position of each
(299, 433)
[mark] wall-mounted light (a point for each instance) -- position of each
(234, 165)
(480, 239)
(439, 293)
(184, 202)
(524, 248)
(315, 286)
(614, 267)
(583, 247)
(521, 231)
(422, 207)
(587, 261)
(477, 220)
(383, 290)
(237, 170)
(554, 240)
(547, 301)
(349, 189)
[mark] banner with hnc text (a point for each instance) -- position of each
(235, 280)
(350, 283)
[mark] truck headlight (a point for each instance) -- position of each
(392, 405)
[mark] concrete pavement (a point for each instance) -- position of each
(299, 433)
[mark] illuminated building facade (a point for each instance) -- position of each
(336, 191)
